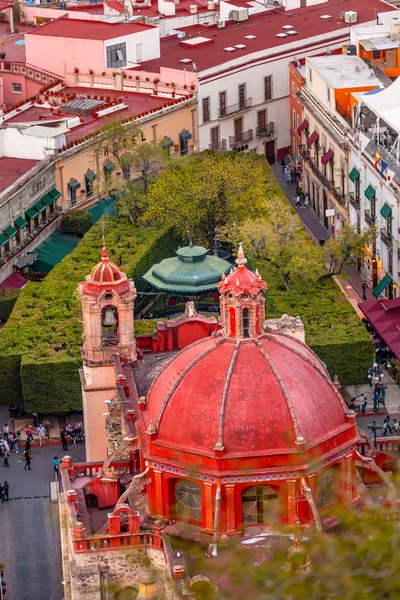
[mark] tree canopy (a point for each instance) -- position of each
(347, 245)
(206, 191)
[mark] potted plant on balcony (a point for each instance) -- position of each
(2, 53)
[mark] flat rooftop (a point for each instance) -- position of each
(343, 71)
(260, 32)
(11, 169)
(88, 30)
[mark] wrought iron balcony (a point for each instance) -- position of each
(369, 218)
(327, 183)
(221, 145)
(242, 138)
(354, 201)
(267, 130)
(227, 111)
(339, 196)
(386, 237)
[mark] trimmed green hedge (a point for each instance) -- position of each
(77, 222)
(8, 297)
(40, 344)
(333, 329)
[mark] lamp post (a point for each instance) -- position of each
(375, 373)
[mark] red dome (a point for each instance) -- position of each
(269, 394)
(105, 271)
(242, 279)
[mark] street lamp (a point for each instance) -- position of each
(375, 373)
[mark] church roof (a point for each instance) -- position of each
(192, 271)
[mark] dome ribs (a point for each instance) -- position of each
(310, 362)
(220, 444)
(284, 390)
(181, 377)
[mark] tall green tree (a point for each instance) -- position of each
(207, 191)
(347, 246)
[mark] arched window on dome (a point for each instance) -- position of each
(260, 504)
(109, 326)
(246, 322)
(188, 500)
(326, 487)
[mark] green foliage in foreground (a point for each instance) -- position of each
(8, 297)
(40, 344)
(333, 329)
(77, 223)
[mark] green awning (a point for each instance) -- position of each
(47, 200)
(369, 192)
(382, 285)
(55, 194)
(32, 213)
(354, 175)
(166, 142)
(10, 231)
(74, 184)
(3, 240)
(109, 166)
(185, 135)
(39, 206)
(90, 175)
(386, 210)
(20, 222)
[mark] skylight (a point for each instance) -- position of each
(281, 35)
(240, 46)
(185, 60)
(250, 37)
(287, 26)
(230, 49)
(196, 41)
(291, 32)
(325, 17)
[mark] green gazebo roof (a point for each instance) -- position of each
(192, 271)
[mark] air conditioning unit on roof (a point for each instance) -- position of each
(220, 24)
(350, 16)
(241, 14)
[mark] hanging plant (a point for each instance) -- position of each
(76, 70)
(103, 73)
(91, 72)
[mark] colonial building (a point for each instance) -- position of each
(228, 431)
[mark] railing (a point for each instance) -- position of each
(323, 179)
(384, 444)
(142, 539)
(226, 111)
(267, 130)
(29, 239)
(246, 136)
(339, 196)
(369, 218)
(354, 201)
(386, 237)
(93, 468)
(221, 145)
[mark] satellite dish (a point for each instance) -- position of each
(181, 35)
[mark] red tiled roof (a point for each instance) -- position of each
(11, 169)
(306, 22)
(115, 5)
(88, 30)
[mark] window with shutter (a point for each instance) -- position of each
(206, 110)
(268, 87)
(222, 104)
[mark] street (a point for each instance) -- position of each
(29, 526)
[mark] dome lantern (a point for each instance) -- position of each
(242, 301)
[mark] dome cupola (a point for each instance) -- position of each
(242, 301)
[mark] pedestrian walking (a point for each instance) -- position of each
(27, 445)
(18, 435)
(307, 200)
(374, 428)
(41, 433)
(364, 291)
(1, 493)
(386, 426)
(5, 432)
(28, 459)
(56, 465)
(298, 201)
(6, 455)
(35, 419)
(46, 425)
(363, 403)
(6, 489)
(283, 165)
(375, 399)
(395, 426)
(64, 439)
(15, 445)
(29, 434)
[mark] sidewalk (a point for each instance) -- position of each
(351, 286)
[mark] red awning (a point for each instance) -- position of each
(384, 316)
(312, 139)
(303, 127)
(15, 280)
(327, 157)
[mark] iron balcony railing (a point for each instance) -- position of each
(386, 237)
(226, 111)
(267, 130)
(242, 138)
(339, 196)
(323, 179)
(221, 145)
(369, 218)
(354, 201)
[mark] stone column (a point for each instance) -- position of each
(208, 525)
(230, 508)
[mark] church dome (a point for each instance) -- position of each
(105, 271)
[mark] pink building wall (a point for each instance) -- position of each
(29, 88)
(31, 13)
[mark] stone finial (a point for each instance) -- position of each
(104, 254)
(298, 559)
(241, 259)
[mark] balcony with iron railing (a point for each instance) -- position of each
(386, 237)
(227, 111)
(354, 201)
(370, 219)
(339, 196)
(267, 130)
(326, 182)
(242, 138)
(220, 145)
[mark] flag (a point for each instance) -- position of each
(377, 160)
(389, 175)
(384, 165)
(355, 138)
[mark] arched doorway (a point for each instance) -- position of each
(260, 504)
(187, 500)
(127, 594)
(91, 501)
